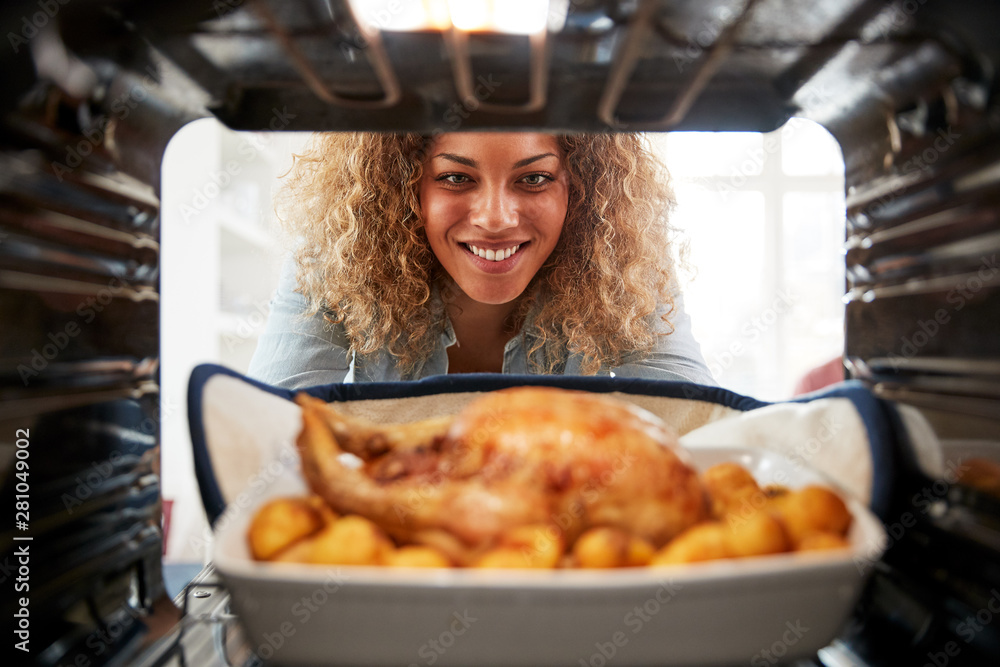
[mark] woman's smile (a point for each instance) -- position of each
(493, 255)
(496, 259)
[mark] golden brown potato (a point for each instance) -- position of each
(549, 546)
(811, 509)
(732, 489)
(416, 556)
(446, 544)
(537, 546)
(706, 541)
(351, 540)
(759, 534)
(640, 552)
(506, 558)
(300, 552)
(279, 523)
(542, 544)
(602, 548)
(608, 547)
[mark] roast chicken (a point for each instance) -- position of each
(515, 457)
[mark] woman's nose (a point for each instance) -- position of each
(495, 210)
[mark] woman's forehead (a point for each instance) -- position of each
(497, 144)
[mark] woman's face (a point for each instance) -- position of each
(493, 206)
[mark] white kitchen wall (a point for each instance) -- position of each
(221, 252)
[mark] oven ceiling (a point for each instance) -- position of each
(657, 65)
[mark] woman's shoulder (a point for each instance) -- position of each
(290, 312)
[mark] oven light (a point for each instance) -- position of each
(515, 17)
(402, 15)
(437, 13)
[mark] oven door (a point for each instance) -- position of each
(94, 91)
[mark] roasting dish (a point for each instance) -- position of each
(697, 614)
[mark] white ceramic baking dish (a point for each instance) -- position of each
(752, 611)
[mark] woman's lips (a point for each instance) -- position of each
(486, 259)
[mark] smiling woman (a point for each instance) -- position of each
(477, 252)
(493, 208)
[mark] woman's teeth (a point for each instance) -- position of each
(493, 255)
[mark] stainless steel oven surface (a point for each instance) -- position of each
(94, 90)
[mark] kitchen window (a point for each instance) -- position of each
(763, 216)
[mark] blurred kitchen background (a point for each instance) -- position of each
(761, 215)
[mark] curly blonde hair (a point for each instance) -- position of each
(352, 205)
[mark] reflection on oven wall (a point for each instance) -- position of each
(761, 216)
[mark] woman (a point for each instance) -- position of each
(477, 252)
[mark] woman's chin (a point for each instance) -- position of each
(496, 300)
(493, 297)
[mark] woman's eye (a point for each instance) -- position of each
(535, 179)
(454, 179)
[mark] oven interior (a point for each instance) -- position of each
(94, 90)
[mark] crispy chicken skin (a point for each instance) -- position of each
(515, 457)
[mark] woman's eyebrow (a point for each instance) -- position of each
(528, 160)
(468, 162)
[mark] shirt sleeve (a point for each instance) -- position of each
(295, 350)
(676, 356)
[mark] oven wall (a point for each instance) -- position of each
(922, 315)
(923, 265)
(79, 371)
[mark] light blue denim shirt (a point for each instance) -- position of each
(296, 352)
